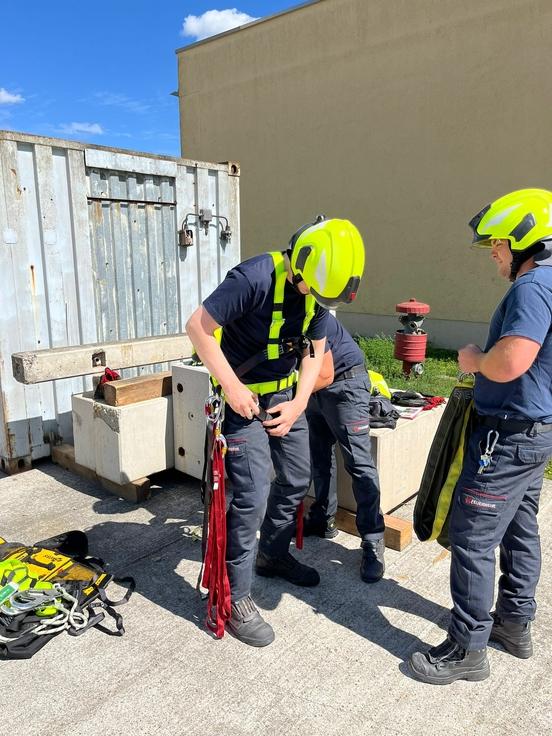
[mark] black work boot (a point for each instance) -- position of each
(247, 624)
(448, 662)
(372, 565)
(286, 567)
(320, 528)
(515, 637)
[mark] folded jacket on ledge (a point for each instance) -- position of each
(383, 414)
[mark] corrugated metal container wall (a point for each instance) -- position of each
(89, 252)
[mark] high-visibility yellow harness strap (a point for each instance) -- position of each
(273, 348)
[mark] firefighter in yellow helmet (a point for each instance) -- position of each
(273, 312)
(496, 497)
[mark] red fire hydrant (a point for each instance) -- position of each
(411, 341)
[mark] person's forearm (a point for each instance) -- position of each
(322, 382)
(499, 364)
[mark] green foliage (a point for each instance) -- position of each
(440, 367)
(548, 471)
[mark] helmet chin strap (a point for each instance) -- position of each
(519, 258)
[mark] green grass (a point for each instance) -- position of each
(440, 367)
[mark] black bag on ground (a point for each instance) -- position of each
(50, 587)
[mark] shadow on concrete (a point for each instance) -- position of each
(363, 609)
(152, 550)
(149, 549)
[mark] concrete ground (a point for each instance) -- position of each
(337, 665)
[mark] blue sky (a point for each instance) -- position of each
(102, 72)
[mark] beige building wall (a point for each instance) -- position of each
(406, 116)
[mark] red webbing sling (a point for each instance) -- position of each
(215, 576)
(299, 526)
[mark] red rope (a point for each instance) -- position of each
(433, 401)
(299, 527)
(215, 576)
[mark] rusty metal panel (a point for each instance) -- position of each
(89, 253)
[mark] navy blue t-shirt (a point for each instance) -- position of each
(525, 311)
(243, 304)
(345, 352)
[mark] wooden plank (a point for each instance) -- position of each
(398, 532)
(136, 492)
(44, 365)
(141, 388)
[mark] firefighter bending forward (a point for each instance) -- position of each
(264, 306)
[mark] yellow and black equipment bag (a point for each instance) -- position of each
(50, 587)
(444, 465)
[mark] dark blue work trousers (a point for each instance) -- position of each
(340, 413)
(264, 473)
(496, 508)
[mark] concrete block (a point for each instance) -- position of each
(123, 443)
(83, 429)
(190, 385)
(400, 456)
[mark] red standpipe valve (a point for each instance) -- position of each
(411, 340)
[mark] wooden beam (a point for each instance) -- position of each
(136, 492)
(81, 360)
(130, 390)
(398, 532)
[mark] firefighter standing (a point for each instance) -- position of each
(496, 497)
(339, 412)
(262, 304)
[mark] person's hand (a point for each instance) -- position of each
(242, 400)
(285, 415)
(469, 358)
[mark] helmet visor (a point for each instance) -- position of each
(347, 296)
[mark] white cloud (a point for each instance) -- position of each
(8, 98)
(213, 22)
(76, 128)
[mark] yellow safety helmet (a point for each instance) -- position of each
(523, 218)
(328, 255)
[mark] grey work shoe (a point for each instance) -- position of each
(448, 662)
(287, 567)
(515, 637)
(247, 624)
(372, 565)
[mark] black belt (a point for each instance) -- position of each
(356, 370)
(514, 425)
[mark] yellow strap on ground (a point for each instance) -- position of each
(445, 497)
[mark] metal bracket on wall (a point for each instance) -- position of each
(204, 219)
(98, 359)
